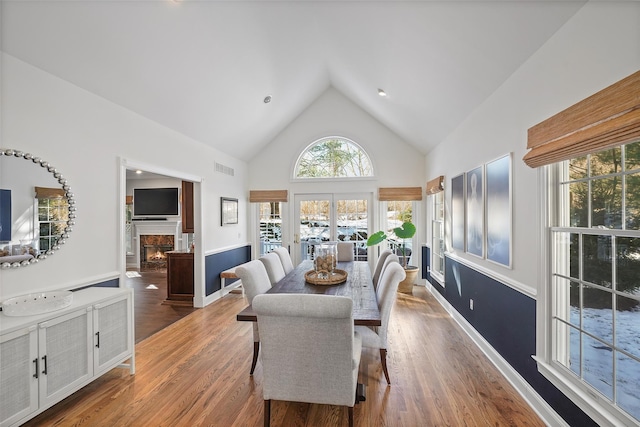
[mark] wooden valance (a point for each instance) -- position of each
(386, 194)
(268, 196)
(436, 185)
(606, 119)
(49, 193)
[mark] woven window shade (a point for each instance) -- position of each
(386, 194)
(606, 119)
(436, 185)
(268, 196)
(48, 193)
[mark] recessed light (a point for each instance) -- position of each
(138, 171)
(267, 99)
(382, 92)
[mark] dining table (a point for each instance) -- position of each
(358, 286)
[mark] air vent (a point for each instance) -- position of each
(224, 169)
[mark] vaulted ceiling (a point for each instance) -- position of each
(203, 68)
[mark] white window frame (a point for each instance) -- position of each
(437, 245)
(553, 207)
(416, 256)
(255, 227)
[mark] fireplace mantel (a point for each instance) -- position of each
(142, 228)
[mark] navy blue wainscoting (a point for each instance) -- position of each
(215, 264)
(112, 283)
(426, 271)
(426, 262)
(506, 318)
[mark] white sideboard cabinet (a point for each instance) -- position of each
(45, 358)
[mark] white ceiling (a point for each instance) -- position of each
(203, 68)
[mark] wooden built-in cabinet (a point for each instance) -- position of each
(180, 276)
(187, 207)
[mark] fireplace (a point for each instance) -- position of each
(152, 251)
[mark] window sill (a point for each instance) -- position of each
(594, 405)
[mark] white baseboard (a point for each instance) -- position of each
(537, 403)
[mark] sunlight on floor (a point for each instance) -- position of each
(133, 274)
(151, 287)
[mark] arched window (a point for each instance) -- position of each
(333, 157)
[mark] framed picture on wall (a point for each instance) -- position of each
(457, 212)
(475, 211)
(228, 211)
(498, 176)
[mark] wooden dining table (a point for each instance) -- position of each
(358, 287)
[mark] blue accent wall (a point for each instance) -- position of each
(215, 264)
(112, 283)
(426, 271)
(506, 318)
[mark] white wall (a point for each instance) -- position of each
(597, 47)
(86, 137)
(395, 162)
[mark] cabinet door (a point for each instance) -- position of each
(180, 276)
(18, 375)
(66, 355)
(188, 223)
(112, 333)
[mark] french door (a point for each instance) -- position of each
(331, 217)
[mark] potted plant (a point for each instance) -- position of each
(405, 231)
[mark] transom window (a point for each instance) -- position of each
(333, 157)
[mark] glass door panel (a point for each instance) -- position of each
(330, 217)
(353, 225)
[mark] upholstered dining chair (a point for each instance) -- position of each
(391, 258)
(285, 259)
(274, 267)
(345, 251)
(376, 337)
(255, 281)
(310, 352)
(376, 272)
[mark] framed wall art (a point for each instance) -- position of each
(228, 211)
(457, 212)
(499, 223)
(475, 211)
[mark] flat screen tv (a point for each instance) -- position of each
(155, 202)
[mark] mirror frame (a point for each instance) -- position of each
(8, 152)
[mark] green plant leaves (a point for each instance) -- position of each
(376, 238)
(405, 231)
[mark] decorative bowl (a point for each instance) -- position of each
(37, 303)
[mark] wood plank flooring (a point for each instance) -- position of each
(150, 291)
(196, 373)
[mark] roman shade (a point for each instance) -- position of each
(268, 196)
(606, 119)
(436, 185)
(48, 193)
(387, 194)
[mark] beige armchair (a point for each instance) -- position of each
(376, 337)
(274, 267)
(285, 259)
(310, 352)
(255, 281)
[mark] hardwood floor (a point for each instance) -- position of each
(150, 291)
(195, 372)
